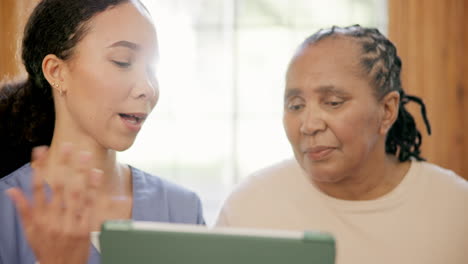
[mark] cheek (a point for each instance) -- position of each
(357, 130)
(292, 128)
(99, 77)
(101, 86)
(93, 99)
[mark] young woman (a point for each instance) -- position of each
(89, 89)
(357, 173)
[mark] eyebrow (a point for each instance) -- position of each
(292, 92)
(324, 89)
(126, 44)
(331, 89)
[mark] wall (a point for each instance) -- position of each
(432, 39)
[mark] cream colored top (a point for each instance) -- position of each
(423, 220)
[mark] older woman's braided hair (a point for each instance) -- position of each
(382, 64)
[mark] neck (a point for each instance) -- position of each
(376, 178)
(116, 177)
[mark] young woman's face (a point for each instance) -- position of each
(110, 80)
(331, 115)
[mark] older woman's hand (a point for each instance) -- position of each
(58, 227)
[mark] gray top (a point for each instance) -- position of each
(154, 199)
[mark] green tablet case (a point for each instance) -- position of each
(124, 242)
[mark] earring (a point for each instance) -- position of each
(57, 86)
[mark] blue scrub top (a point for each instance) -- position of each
(154, 199)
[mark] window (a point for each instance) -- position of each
(222, 65)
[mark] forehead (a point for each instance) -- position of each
(127, 21)
(333, 59)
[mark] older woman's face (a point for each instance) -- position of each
(331, 115)
(110, 83)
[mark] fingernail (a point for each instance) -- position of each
(85, 156)
(37, 151)
(67, 147)
(96, 176)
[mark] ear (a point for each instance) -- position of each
(390, 104)
(53, 69)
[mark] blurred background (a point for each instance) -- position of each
(219, 116)
(222, 69)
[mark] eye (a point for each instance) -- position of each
(122, 64)
(296, 104)
(295, 107)
(334, 101)
(334, 104)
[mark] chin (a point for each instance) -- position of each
(120, 145)
(121, 148)
(325, 178)
(323, 173)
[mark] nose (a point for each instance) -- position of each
(312, 122)
(147, 86)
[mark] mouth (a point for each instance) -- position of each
(133, 120)
(319, 153)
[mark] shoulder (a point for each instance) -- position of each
(441, 177)
(157, 184)
(268, 180)
(182, 204)
(20, 178)
(17, 179)
(443, 184)
(12, 240)
(264, 188)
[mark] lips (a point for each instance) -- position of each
(319, 153)
(136, 118)
(133, 121)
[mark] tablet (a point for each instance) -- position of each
(124, 242)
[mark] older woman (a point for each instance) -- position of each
(357, 172)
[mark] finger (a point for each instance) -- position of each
(118, 204)
(84, 219)
(94, 181)
(93, 195)
(82, 167)
(21, 203)
(64, 160)
(63, 171)
(66, 152)
(57, 203)
(76, 203)
(95, 178)
(73, 208)
(39, 157)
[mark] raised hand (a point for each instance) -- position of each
(58, 227)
